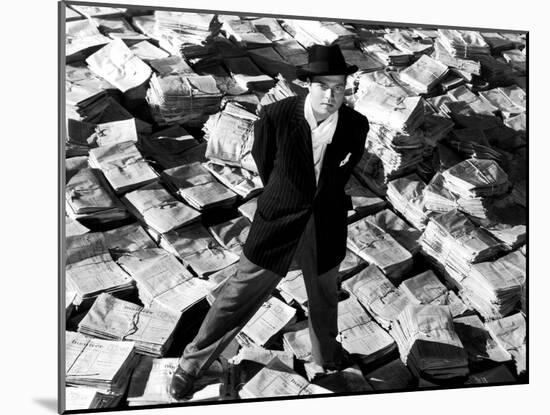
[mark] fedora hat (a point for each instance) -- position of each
(324, 60)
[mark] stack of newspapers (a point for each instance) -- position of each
(510, 333)
(494, 288)
(162, 280)
(89, 197)
(157, 209)
(428, 343)
(360, 334)
(476, 178)
(187, 34)
(404, 40)
(424, 75)
(405, 195)
(95, 275)
(454, 242)
(82, 38)
(198, 187)
(123, 166)
(401, 231)
(379, 248)
(230, 135)
(465, 44)
(241, 181)
(183, 98)
(277, 379)
(82, 355)
(377, 294)
(118, 65)
(150, 329)
(383, 50)
(245, 34)
(425, 288)
(196, 247)
(231, 234)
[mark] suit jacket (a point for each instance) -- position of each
(283, 154)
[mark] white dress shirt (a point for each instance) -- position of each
(321, 135)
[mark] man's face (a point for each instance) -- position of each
(327, 94)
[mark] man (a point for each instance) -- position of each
(305, 150)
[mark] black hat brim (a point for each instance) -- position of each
(306, 71)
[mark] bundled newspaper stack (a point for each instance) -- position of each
(270, 28)
(424, 75)
(310, 32)
(168, 147)
(425, 288)
(510, 101)
(247, 75)
(277, 379)
(83, 355)
(89, 197)
(428, 343)
(83, 89)
(282, 89)
(360, 334)
(118, 65)
(241, 181)
(383, 50)
(476, 178)
(231, 234)
(363, 60)
(245, 34)
(363, 201)
(401, 231)
(377, 294)
(454, 242)
(196, 185)
(187, 99)
(477, 341)
(465, 44)
(162, 280)
(517, 59)
(510, 333)
(230, 136)
(95, 275)
(149, 53)
(149, 329)
(196, 247)
(158, 210)
(494, 288)
(270, 319)
(404, 40)
(291, 51)
(187, 34)
(405, 195)
(82, 38)
(466, 68)
(377, 247)
(118, 28)
(383, 101)
(123, 166)
(127, 238)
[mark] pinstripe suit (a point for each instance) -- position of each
(283, 153)
(295, 218)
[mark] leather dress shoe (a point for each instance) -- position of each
(182, 384)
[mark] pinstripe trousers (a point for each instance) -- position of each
(243, 294)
